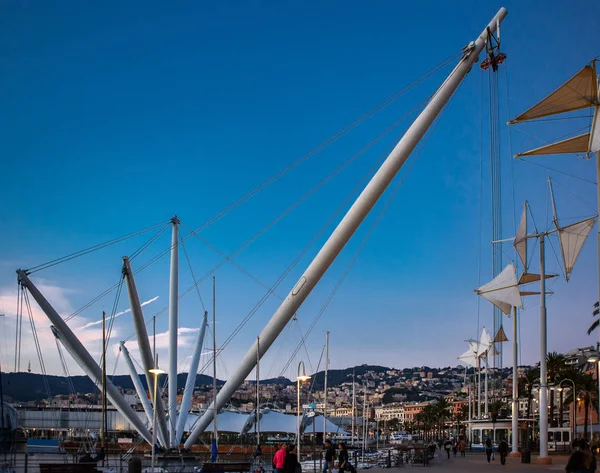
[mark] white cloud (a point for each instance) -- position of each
(118, 314)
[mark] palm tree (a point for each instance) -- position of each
(442, 412)
(597, 321)
(527, 384)
(556, 365)
(588, 394)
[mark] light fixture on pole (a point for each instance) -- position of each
(156, 371)
(300, 378)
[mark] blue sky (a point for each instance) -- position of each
(118, 116)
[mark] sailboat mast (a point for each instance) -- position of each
(351, 221)
(353, 405)
(103, 427)
(215, 408)
(326, 374)
(257, 391)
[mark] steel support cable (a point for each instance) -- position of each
(297, 323)
(328, 141)
(115, 286)
(91, 249)
(291, 266)
(286, 212)
(557, 171)
(480, 222)
(231, 261)
(187, 257)
(293, 165)
(386, 205)
(595, 211)
(37, 345)
(17, 328)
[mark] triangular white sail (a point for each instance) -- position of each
(502, 291)
(577, 144)
(581, 91)
(469, 358)
(572, 237)
(520, 242)
(594, 145)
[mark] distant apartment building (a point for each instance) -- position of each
(389, 412)
(411, 410)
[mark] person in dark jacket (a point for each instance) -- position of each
(329, 456)
(577, 462)
(503, 450)
(290, 463)
(489, 449)
(344, 460)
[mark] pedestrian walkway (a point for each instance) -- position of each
(476, 462)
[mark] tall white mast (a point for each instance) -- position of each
(173, 326)
(326, 373)
(137, 384)
(515, 388)
(190, 383)
(214, 406)
(543, 352)
(351, 221)
(143, 343)
(487, 368)
(83, 357)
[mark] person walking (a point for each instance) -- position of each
(454, 446)
(329, 456)
(462, 447)
(489, 449)
(503, 450)
(344, 460)
(290, 463)
(447, 447)
(279, 458)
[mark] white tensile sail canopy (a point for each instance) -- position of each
(572, 237)
(520, 242)
(503, 291)
(478, 349)
(579, 92)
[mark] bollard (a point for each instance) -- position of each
(135, 465)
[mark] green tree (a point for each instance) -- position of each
(442, 412)
(556, 367)
(527, 384)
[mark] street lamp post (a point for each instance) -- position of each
(596, 360)
(574, 424)
(301, 377)
(156, 371)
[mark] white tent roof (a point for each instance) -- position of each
(229, 421)
(502, 291)
(317, 421)
(277, 422)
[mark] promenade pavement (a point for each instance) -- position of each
(476, 462)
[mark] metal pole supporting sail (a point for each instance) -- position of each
(83, 357)
(173, 326)
(143, 342)
(137, 384)
(325, 389)
(543, 359)
(186, 401)
(515, 388)
(350, 222)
